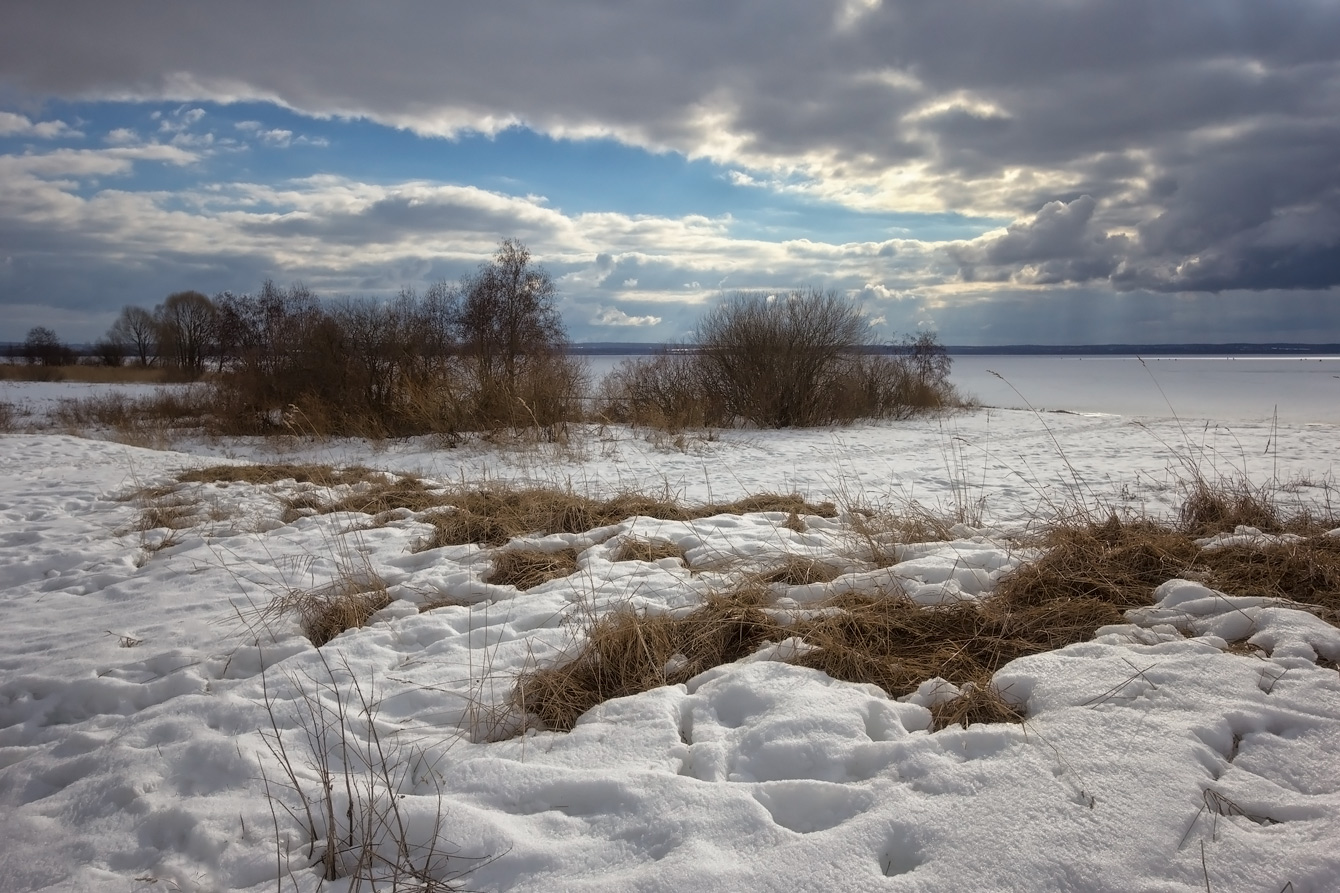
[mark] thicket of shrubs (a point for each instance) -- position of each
(778, 361)
(490, 353)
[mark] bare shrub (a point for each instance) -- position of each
(800, 359)
(663, 392)
(43, 347)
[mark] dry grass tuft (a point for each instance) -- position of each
(305, 473)
(634, 549)
(163, 513)
(495, 514)
(1305, 571)
(445, 601)
(1211, 508)
(1118, 562)
(798, 570)
(379, 496)
(790, 503)
(980, 702)
(323, 614)
(627, 652)
(528, 568)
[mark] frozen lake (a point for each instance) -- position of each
(1301, 389)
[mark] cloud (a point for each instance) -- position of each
(12, 124)
(1138, 151)
(278, 137)
(613, 316)
(1205, 134)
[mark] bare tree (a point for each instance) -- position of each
(508, 315)
(137, 333)
(43, 346)
(186, 328)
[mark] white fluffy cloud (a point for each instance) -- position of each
(12, 124)
(613, 316)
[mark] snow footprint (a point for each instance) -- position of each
(806, 806)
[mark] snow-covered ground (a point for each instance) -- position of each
(139, 685)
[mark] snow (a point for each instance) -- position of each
(143, 694)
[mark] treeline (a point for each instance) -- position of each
(490, 353)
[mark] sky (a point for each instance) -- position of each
(1020, 171)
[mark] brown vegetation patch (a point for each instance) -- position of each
(886, 640)
(798, 570)
(528, 568)
(979, 702)
(1088, 575)
(445, 601)
(88, 374)
(380, 496)
(493, 515)
(305, 473)
(634, 549)
(1119, 562)
(323, 614)
(627, 652)
(1305, 571)
(791, 503)
(1211, 508)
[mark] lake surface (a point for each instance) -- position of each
(1240, 388)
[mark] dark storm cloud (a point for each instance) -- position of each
(1139, 145)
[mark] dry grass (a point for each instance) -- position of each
(1305, 571)
(627, 652)
(444, 601)
(88, 374)
(528, 568)
(1088, 575)
(163, 513)
(634, 549)
(886, 640)
(305, 473)
(1211, 508)
(979, 702)
(323, 614)
(1118, 562)
(494, 515)
(136, 418)
(799, 570)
